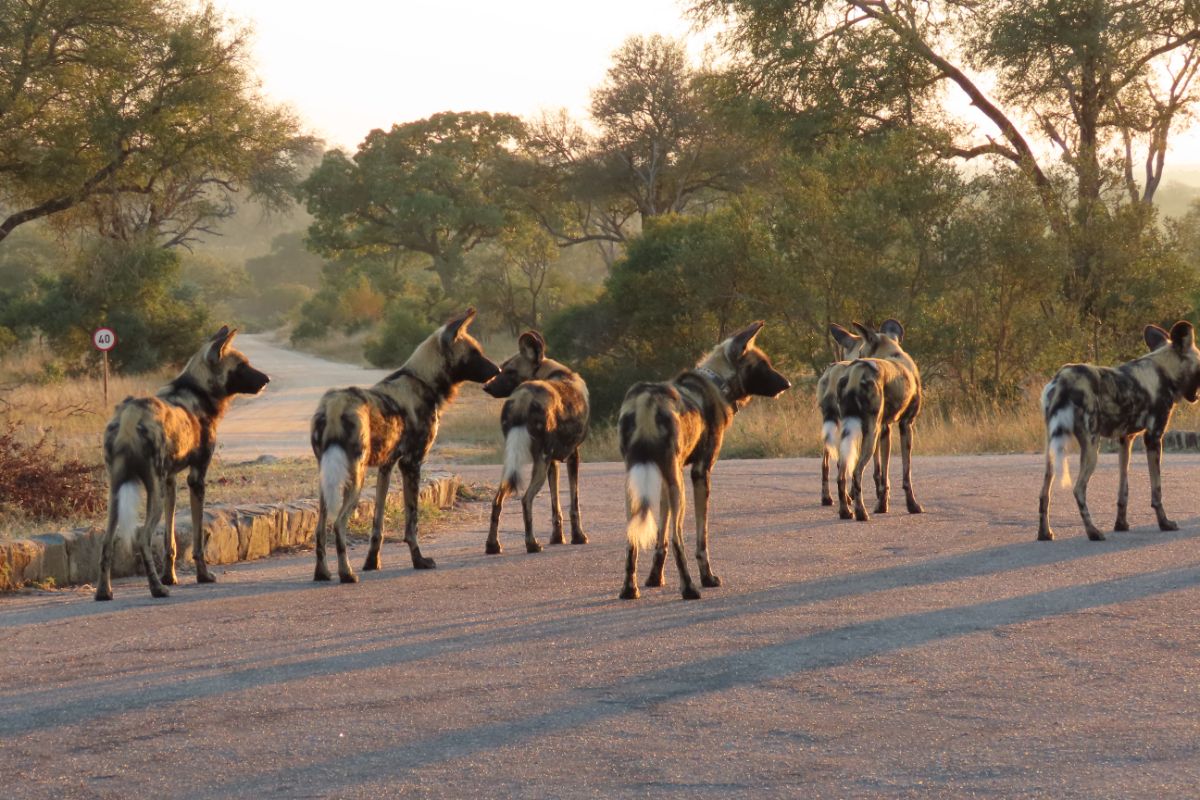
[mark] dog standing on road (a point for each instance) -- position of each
(850, 348)
(394, 421)
(1088, 402)
(545, 420)
(151, 439)
(665, 426)
(874, 394)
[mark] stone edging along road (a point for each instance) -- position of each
(232, 533)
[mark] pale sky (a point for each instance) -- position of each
(353, 65)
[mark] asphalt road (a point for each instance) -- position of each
(941, 655)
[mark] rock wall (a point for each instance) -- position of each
(232, 533)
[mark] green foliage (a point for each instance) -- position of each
(684, 284)
(138, 116)
(435, 187)
(403, 329)
(134, 289)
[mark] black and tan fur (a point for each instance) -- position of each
(151, 439)
(874, 394)
(849, 347)
(545, 420)
(1088, 402)
(665, 426)
(393, 422)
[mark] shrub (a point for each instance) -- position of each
(402, 330)
(34, 482)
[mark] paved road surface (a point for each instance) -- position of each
(946, 655)
(276, 421)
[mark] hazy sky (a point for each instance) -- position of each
(354, 65)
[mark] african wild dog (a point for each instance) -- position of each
(664, 426)
(873, 394)
(151, 439)
(1089, 402)
(544, 420)
(849, 347)
(393, 421)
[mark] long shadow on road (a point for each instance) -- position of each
(25, 712)
(706, 676)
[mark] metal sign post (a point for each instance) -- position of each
(104, 339)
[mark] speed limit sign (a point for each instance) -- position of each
(104, 339)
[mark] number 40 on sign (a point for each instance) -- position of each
(104, 339)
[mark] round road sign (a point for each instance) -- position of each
(104, 339)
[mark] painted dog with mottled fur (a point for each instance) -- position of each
(873, 395)
(1087, 402)
(665, 426)
(849, 347)
(393, 422)
(151, 439)
(544, 421)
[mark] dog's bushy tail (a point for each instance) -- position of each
(1060, 427)
(335, 471)
(645, 488)
(851, 443)
(830, 433)
(517, 453)
(127, 499)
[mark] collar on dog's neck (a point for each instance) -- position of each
(722, 385)
(432, 395)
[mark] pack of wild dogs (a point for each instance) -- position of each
(875, 386)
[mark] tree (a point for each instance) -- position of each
(662, 148)
(133, 287)
(139, 115)
(1104, 83)
(438, 187)
(684, 284)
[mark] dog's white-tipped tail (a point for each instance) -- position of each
(829, 435)
(335, 470)
(1058, 452)
(128, 501)
(517, 453)
(851, 441)
(1059, 430)
(645, 488)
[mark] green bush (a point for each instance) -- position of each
(133, 288)
(402, 330)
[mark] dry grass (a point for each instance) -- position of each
(72, 410)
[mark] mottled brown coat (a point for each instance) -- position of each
(393, 422)
(151, 439)
(1087, 402)
(544, 420)
(665, 426)
(874, 394)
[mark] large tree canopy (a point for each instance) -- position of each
(1087, 94)
(437, 187)
(141, 114)
(661, 147)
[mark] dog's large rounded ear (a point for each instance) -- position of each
(865, 331)
(532, 347)
(1155, 337)
(842, 337)
(219, 344)
(743, 340)
(893, 328)
(1182, 335)
(457, 325)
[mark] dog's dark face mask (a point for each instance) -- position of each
(245, 379)
(759, 377)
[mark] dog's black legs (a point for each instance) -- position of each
(382, 480)
(411, 476)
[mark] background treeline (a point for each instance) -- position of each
(809, 174)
